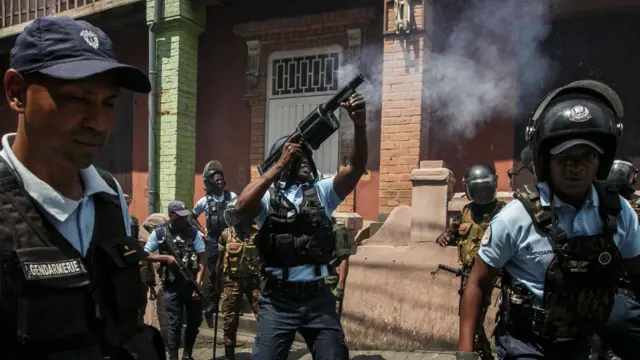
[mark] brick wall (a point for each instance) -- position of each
(402, 112)
(292, 34)
(177, 49)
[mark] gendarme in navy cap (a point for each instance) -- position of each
(68, 49)
(178, 208)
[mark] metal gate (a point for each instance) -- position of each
(298, 81)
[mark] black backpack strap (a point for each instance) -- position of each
(610, 206)
(111, 182)
(540, 215)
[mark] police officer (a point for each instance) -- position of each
(562, 243)
(213, 205)
(621, 335)
(179, 239)
(295, 243)
(339, 265)
(481, 186)
(239, 265)
(71, 286)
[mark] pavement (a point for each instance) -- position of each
(204, 350)
(303, 354)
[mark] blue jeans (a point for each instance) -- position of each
(176, 299)
(622, 332)
(281, 315)
(512, 346)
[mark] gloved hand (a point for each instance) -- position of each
(338, 292)
(463, 355)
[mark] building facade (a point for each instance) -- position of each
(235, 75)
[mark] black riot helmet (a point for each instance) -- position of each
(585, 110)
(622, 173)
(480, 184)
(210, 170)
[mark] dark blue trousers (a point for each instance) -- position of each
(176, 300)
(512, 346)
(281, 315)
(622, 332)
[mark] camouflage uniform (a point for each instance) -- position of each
(241, 276)
(342, 251)
(466, 232)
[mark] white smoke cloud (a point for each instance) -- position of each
(474, 75)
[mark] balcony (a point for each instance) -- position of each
(16, 14)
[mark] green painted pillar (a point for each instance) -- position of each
(177, 50)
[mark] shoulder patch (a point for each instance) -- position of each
(486, 238)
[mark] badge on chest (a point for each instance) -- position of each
(53, 269)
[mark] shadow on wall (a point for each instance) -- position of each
(392, 302)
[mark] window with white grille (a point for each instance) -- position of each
(305, 75)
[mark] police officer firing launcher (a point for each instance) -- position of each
(295, 242)
(563, 243)
(70, 280)
(481, 187)
(179, 239)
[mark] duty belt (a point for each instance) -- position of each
(526, 318)
(301, 288)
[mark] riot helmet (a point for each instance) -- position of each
(585, 111)
(313, 173)
(480, 184)
(210, 170)
(622, 173)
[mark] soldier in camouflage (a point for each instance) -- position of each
(239, 264)
(621, 335)
(146, 267)
(481, 187)
(339, 266)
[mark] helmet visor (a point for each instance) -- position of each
(483, 190)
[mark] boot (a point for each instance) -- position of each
(173, 354)
(230, 352)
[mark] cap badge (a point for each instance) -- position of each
(579, 113)
(91, 38)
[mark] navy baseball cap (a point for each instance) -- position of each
(69, 49)
(178, 208)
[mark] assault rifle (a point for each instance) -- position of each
(182, 268)
(317, 127)
(459, 272)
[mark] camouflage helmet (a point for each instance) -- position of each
(153, 221)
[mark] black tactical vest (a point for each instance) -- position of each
(581, 280)
(52, 298)
(215, 215)
(289, 238)
(183, 243)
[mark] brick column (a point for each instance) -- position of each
(402, 110)
(177, 50)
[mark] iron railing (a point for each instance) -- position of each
(15, 12)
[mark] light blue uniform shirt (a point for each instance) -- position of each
(328, 198)
(152, 243)
(202, 206)
(516, 246)
(74, 219)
